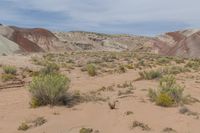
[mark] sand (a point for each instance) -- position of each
(15, 108)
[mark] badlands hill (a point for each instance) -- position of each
(14, 40)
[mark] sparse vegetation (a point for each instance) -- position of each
(48, 87)
(193, 64)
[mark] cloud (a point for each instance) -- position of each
(119, 16)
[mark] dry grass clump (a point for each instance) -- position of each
(188, 112)
(168, 94)
(121, 69)
(169, 130)
(149, 75)
(88, 130)
(141, 125)
(23, 126)
(129, 113)
(39, 121)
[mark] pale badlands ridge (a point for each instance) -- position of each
(180, 43)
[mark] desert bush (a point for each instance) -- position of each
(148, 75)
(48, 89)
(50, 68)
(10, 70)
(168, 94)
(91, 69)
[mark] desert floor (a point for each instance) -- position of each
(15, 107)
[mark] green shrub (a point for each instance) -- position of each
(10, 70)
(91, 69)
(48, 89)
(148, 75)
(168, 94)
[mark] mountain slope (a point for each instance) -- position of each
(8, 47)
(182, 43)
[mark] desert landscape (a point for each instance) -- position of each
(86, 82)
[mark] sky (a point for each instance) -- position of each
(140, 17)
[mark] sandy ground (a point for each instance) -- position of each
(15, 108)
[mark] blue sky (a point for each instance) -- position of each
(141, 17)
